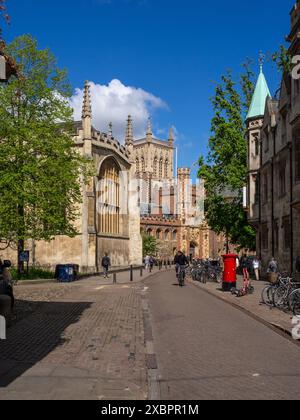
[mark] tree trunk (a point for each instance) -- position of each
(20, 251)
(227, 244)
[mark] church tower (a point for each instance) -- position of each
(254, 123)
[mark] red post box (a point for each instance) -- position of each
(229, 275)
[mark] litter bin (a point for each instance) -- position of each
(66, 273)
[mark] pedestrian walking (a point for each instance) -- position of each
(245, 267)
(105, 265)
(151, 264)
(273, 266)
(256, 268)
(147, 262)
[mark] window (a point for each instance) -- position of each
(143, 165)
(265, 236)
(265, 188)
(167, 235)
(137, 164)
(282, 179)
(166, 168)
(175, 235)
(283, 129)
(158, 234)
(256, 144)
(160, 169)
(286, 225)
(297, 158)
(109, 198)
(155, 167)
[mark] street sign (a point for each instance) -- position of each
(24, 256)
(2, 69)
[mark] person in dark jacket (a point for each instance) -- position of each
(105, 265)
(180, 260)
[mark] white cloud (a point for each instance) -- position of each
(114, 102)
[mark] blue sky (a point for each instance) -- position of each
(163, 55)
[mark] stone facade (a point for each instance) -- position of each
(274, 168)
(108, 221)
(172, 209)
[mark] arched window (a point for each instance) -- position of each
(175, 235)
(167, 235)
(160, 169)
(143, 165)
(158, 234)
(109, 198)
(155, 164)
(166, 168)
(137, 164)
(149, 232)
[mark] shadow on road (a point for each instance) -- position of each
(33, 338)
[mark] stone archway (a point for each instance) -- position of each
(193, 250)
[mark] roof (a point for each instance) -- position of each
(143, 141)
(261, 93)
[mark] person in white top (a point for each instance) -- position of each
(256, 267)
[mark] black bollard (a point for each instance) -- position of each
(115, 278)
(131, 273)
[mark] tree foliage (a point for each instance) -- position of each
(225, 170)
(283, 60)
(40, 169)
(149, 245)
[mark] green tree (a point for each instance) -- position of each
(225, 169)
(283, 60)
(40, 185)
(149, 245)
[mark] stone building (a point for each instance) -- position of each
(273, 196)
(109, 218)
(172, 208)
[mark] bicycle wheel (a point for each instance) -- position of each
(296, 308)
(293, 298)
(280, 297)
(267, 295)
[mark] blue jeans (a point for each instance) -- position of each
(105, 270)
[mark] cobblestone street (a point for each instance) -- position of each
(79, 341)
(94, 340)
(206, 349)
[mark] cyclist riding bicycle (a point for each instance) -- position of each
(181, 261)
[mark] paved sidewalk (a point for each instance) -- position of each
(252, 304)
(79, 341)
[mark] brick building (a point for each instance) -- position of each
(172, 208)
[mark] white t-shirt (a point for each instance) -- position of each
(256, 264)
